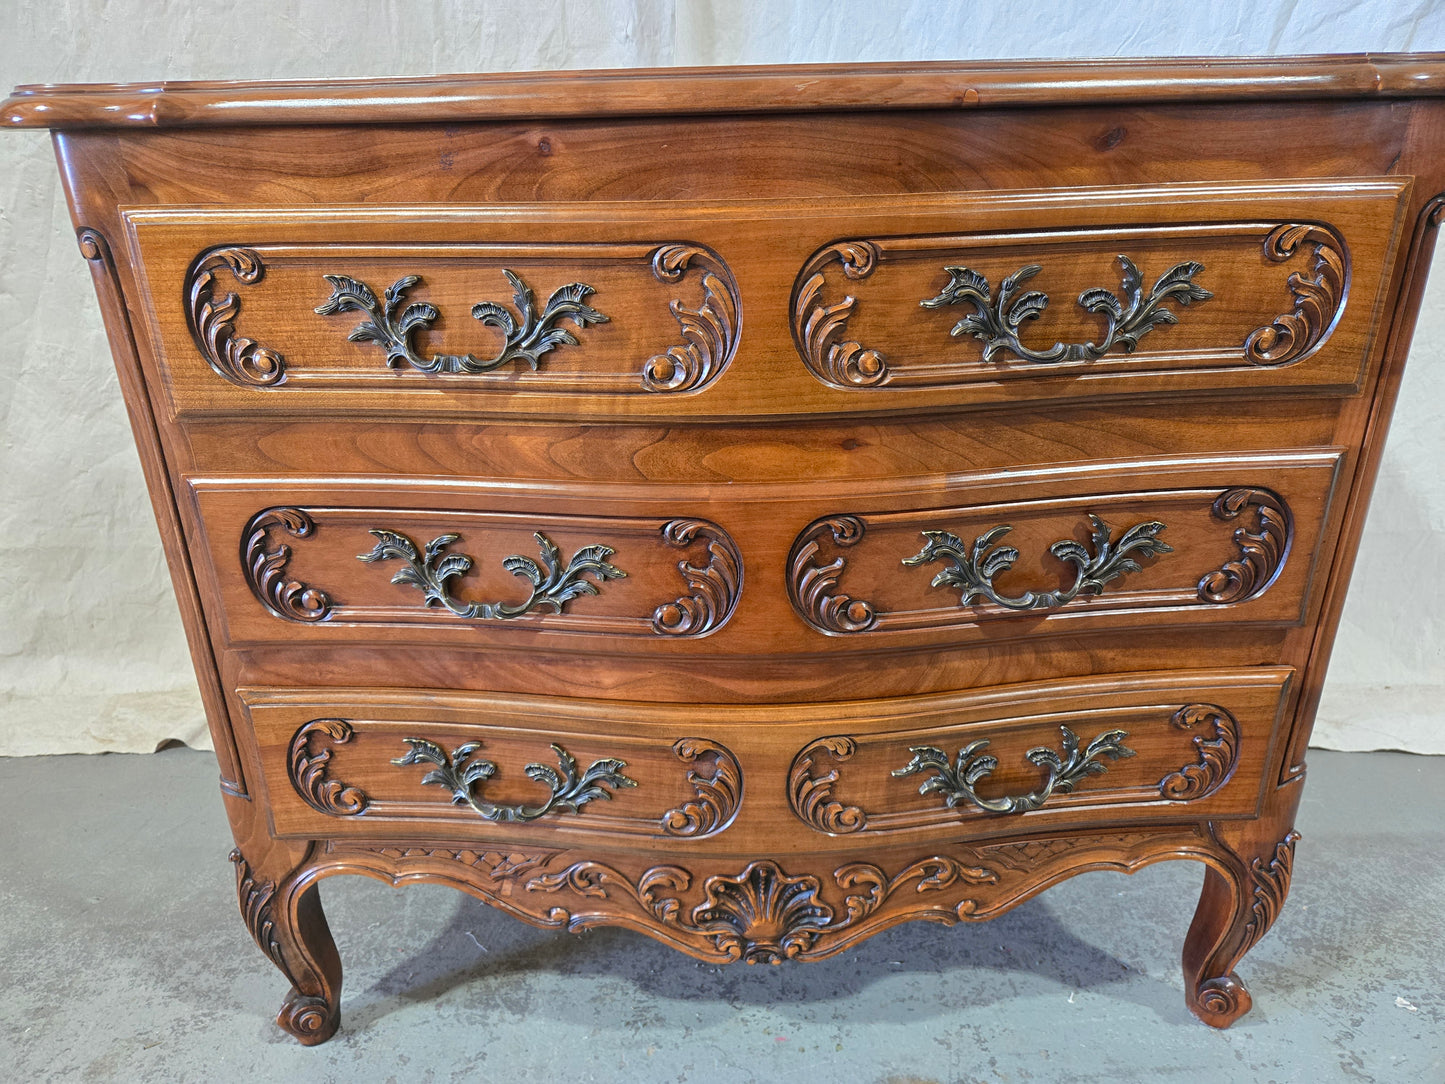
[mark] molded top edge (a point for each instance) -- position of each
(694, 91)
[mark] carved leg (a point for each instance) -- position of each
(1235, 910)
(284, 915)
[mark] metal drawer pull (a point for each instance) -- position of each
(972, 568)
(460, 775)
(527, 338)
(552, 587)
(997, 319)
(956, 781)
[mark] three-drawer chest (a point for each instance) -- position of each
(758, 507)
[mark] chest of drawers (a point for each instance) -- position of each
(760, 507)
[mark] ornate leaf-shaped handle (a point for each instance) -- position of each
(971, 568)
(461, 775)
(997, 320)
(554, 583)
(525, 339)
(957, 781)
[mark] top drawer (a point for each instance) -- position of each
(698, 310)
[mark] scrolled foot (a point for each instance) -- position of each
(311, 1019)
(1220, 1002)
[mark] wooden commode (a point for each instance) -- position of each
(758, 507)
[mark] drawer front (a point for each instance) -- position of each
(726, 308)
(788, 777)
(985, 558)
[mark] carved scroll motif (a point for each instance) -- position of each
(1319, 297)
(718, 795)
(212, 319)
(1262, 551)
(819, 328)
(307, 768)
(1218, 754)
(265, 570)
(709, 332)
(811, 794)
(812, 586)
(714, 587)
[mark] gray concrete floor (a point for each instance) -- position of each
(122, 958)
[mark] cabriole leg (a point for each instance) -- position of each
(283, 913)
(1237, 907)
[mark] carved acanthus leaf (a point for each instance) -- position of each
(819, 328)
(718, 795)
(811, 794)
(265, 569)
(709, 332)
(812, 586)
(1319, 298)
(307, 767)
(1271, 887)
(212, 319)
(715, 586)
(1217, 754)
(1262, 551)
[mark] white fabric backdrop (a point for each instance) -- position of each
(91, 651)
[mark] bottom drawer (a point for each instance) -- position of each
(770, 779)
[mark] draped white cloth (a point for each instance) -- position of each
(92, 656)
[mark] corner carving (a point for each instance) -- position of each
(1262, 551)
(714, 587)
(255, 900)
(811, 794)
(1319, 297)
(709, 332)
(1218, 754)
(265, 569)
(812, 587)
(1271, 887)
(718, 795)
(212, 319)
(819, 328)
(307, 768)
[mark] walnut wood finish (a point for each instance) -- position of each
(789, 502)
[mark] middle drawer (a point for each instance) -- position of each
(751, 570)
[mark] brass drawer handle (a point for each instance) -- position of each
(460, 774)
(972, 568)
(552, 587)
(527, 337)
(997, 320)
(956, 781)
